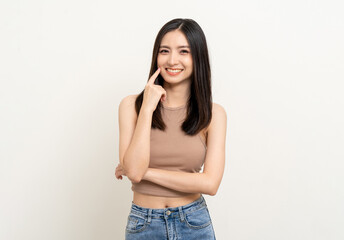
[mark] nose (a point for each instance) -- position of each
(172, 59)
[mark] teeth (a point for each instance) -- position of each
(170, 70)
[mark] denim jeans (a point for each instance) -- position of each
(188, 222)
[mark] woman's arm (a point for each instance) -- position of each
(180, 181)
(134, 135)
(134, 131)
(209, 180)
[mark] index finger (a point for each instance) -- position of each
(154, 76)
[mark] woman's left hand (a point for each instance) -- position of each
(120, 171)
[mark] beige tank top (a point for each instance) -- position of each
(173, 150)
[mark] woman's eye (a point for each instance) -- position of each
(165, 51)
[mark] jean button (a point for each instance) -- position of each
(168, 212)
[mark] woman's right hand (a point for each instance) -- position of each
(153, 93)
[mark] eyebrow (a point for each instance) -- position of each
(164, 46)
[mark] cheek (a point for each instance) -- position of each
(190, 65)
(160, 60)
(188, 62)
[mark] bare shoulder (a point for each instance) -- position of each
(130, 99)
(219, 116)
(127, 106)
(217, 108)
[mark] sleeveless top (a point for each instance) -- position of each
(172, 150)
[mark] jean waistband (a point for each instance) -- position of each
(168, 212)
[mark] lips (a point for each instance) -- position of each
(173, 71)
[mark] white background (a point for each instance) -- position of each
(277, 70)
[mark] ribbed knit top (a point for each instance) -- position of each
(173, 150)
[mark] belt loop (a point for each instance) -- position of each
(149, 215)
(181, 214)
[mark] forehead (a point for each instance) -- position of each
(174, 38)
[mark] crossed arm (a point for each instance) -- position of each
(209, 180)
(180, 181)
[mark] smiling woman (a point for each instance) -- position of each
(174, 58)
(167, 133)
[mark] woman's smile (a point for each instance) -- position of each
(173, 71)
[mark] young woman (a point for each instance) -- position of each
(167, 133)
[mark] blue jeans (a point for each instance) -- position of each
(188, 222)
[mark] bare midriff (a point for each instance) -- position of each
(150, 201)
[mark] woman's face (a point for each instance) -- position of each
(174, 57)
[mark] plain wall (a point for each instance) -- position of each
(277, 69)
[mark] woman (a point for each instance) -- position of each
(167, 132)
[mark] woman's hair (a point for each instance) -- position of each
(199, 105)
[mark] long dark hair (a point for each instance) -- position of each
(199, 106)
